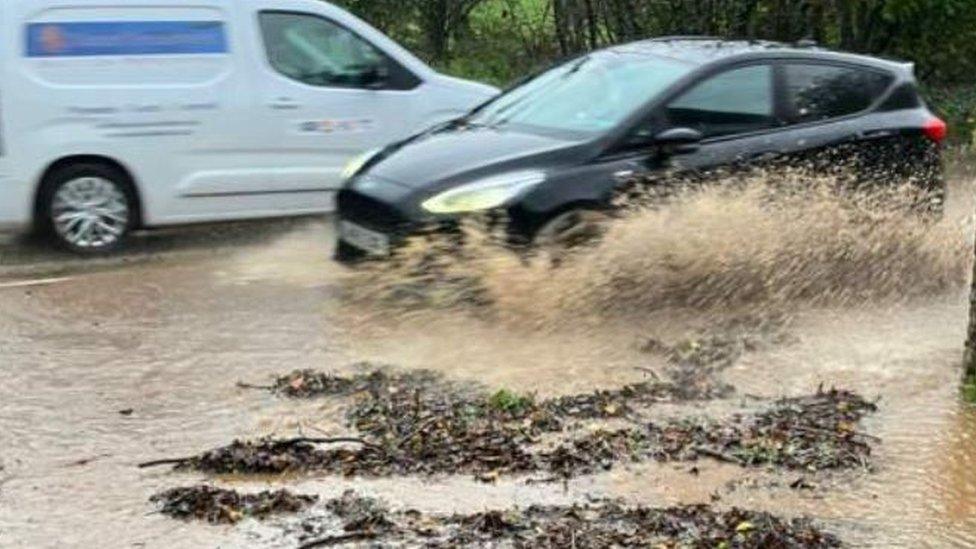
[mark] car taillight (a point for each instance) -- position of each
(936, 130)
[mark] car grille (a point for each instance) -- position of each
(370, 213)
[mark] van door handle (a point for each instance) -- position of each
(284, 104)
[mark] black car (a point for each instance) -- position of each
(562, 143)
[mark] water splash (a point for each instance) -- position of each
(752, 243)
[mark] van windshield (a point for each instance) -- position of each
(587, 96)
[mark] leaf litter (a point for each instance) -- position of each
(352, 518)
(219, 506)
(306, 384)
(814, 433)
(410, 423)
(419, 424)
(598, 524)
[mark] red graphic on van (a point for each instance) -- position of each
(52, 39)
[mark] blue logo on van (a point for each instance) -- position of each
(86, 39)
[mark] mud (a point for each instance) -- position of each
(592, 525)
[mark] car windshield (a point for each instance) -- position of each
(587, 96)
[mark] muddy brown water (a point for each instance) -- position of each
(167, 334)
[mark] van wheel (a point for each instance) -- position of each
(88, 208)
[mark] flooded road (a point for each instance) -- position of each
(106, 364)
(161, 338)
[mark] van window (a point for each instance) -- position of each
(821, 92)
(318, 52)
(736, 101)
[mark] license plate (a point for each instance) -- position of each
(370, 241)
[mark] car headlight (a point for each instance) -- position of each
(483, 195)
(357, 163)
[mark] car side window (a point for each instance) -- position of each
(318, 52)
(822, 92)
(733, 102)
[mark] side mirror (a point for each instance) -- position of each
(678, 141)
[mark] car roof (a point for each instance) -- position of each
(702, 50)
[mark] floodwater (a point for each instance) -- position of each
(106, 364)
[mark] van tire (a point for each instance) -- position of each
(87, 208)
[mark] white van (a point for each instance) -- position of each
(159, 112)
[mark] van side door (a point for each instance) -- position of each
(326, 93)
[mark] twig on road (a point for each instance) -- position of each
(287, 442)
(338, 540)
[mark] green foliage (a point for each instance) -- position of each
(510, 402)
(940, 35)
(503, 40)
(969, 389)
(498, 41)
(957, 105)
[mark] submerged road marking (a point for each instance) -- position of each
(37, 282)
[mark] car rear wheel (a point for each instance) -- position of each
(88, 208)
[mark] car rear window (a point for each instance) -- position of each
(821, 92)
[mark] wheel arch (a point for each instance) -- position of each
(44, 182)
(528, 223)
(579, 204)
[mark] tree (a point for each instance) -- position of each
(442, 21)
(969, 359)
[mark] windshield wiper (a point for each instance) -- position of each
(460, 123)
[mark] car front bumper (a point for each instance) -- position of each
(370, 228)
